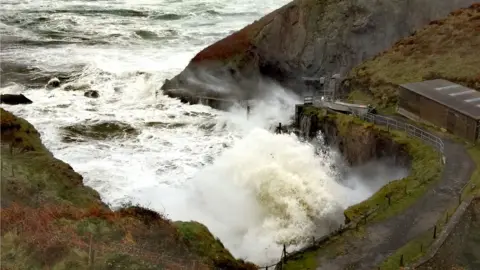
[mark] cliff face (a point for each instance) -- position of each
(309, 38)
(358, 143)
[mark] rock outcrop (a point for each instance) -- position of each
(305, 38)
(13, 99)
(359, 143)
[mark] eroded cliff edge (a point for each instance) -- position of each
(304, 38)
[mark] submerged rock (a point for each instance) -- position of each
(98, 131)
(92, 94)
(165, 125)
(13, 99)
(53, 83)
(75, 87)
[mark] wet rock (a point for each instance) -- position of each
(98, 131)
(76, 87)
(53, 83)
(13, 99)
(165, 125)
(92, 94)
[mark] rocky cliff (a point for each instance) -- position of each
(304, 38)
(357, 141)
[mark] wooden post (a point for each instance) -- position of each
(435, 232)
(421, 248)
(248, 110)
(401, 261)
(389, 196)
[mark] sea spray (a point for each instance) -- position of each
(267, 190)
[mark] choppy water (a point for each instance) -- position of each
(252, 188)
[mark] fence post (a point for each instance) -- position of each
(401, 261)
(435, 232)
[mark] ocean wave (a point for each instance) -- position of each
(91, 12)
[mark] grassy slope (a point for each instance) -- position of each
(49, 219)
(444, 49)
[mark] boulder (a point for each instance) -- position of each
(53, 83)
(306, 38)
(13, 99)
(92, 94)
(97, 131)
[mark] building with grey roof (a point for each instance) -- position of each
(444, 104)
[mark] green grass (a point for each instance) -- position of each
(473, 188)
(426, 167)
(305, 261)
(204, 244)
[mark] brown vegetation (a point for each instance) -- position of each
(444, 49)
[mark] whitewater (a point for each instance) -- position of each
(253, 189)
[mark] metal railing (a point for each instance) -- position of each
(391, 123)
(409, 129)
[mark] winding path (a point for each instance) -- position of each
(382, 239)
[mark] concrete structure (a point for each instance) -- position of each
(444, 104)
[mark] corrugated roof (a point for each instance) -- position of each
(455, 96)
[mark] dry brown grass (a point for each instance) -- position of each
(52, 231)
(445, 49)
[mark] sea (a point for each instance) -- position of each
(255, 190)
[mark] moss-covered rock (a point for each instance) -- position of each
(98, 131)
(203, 243)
